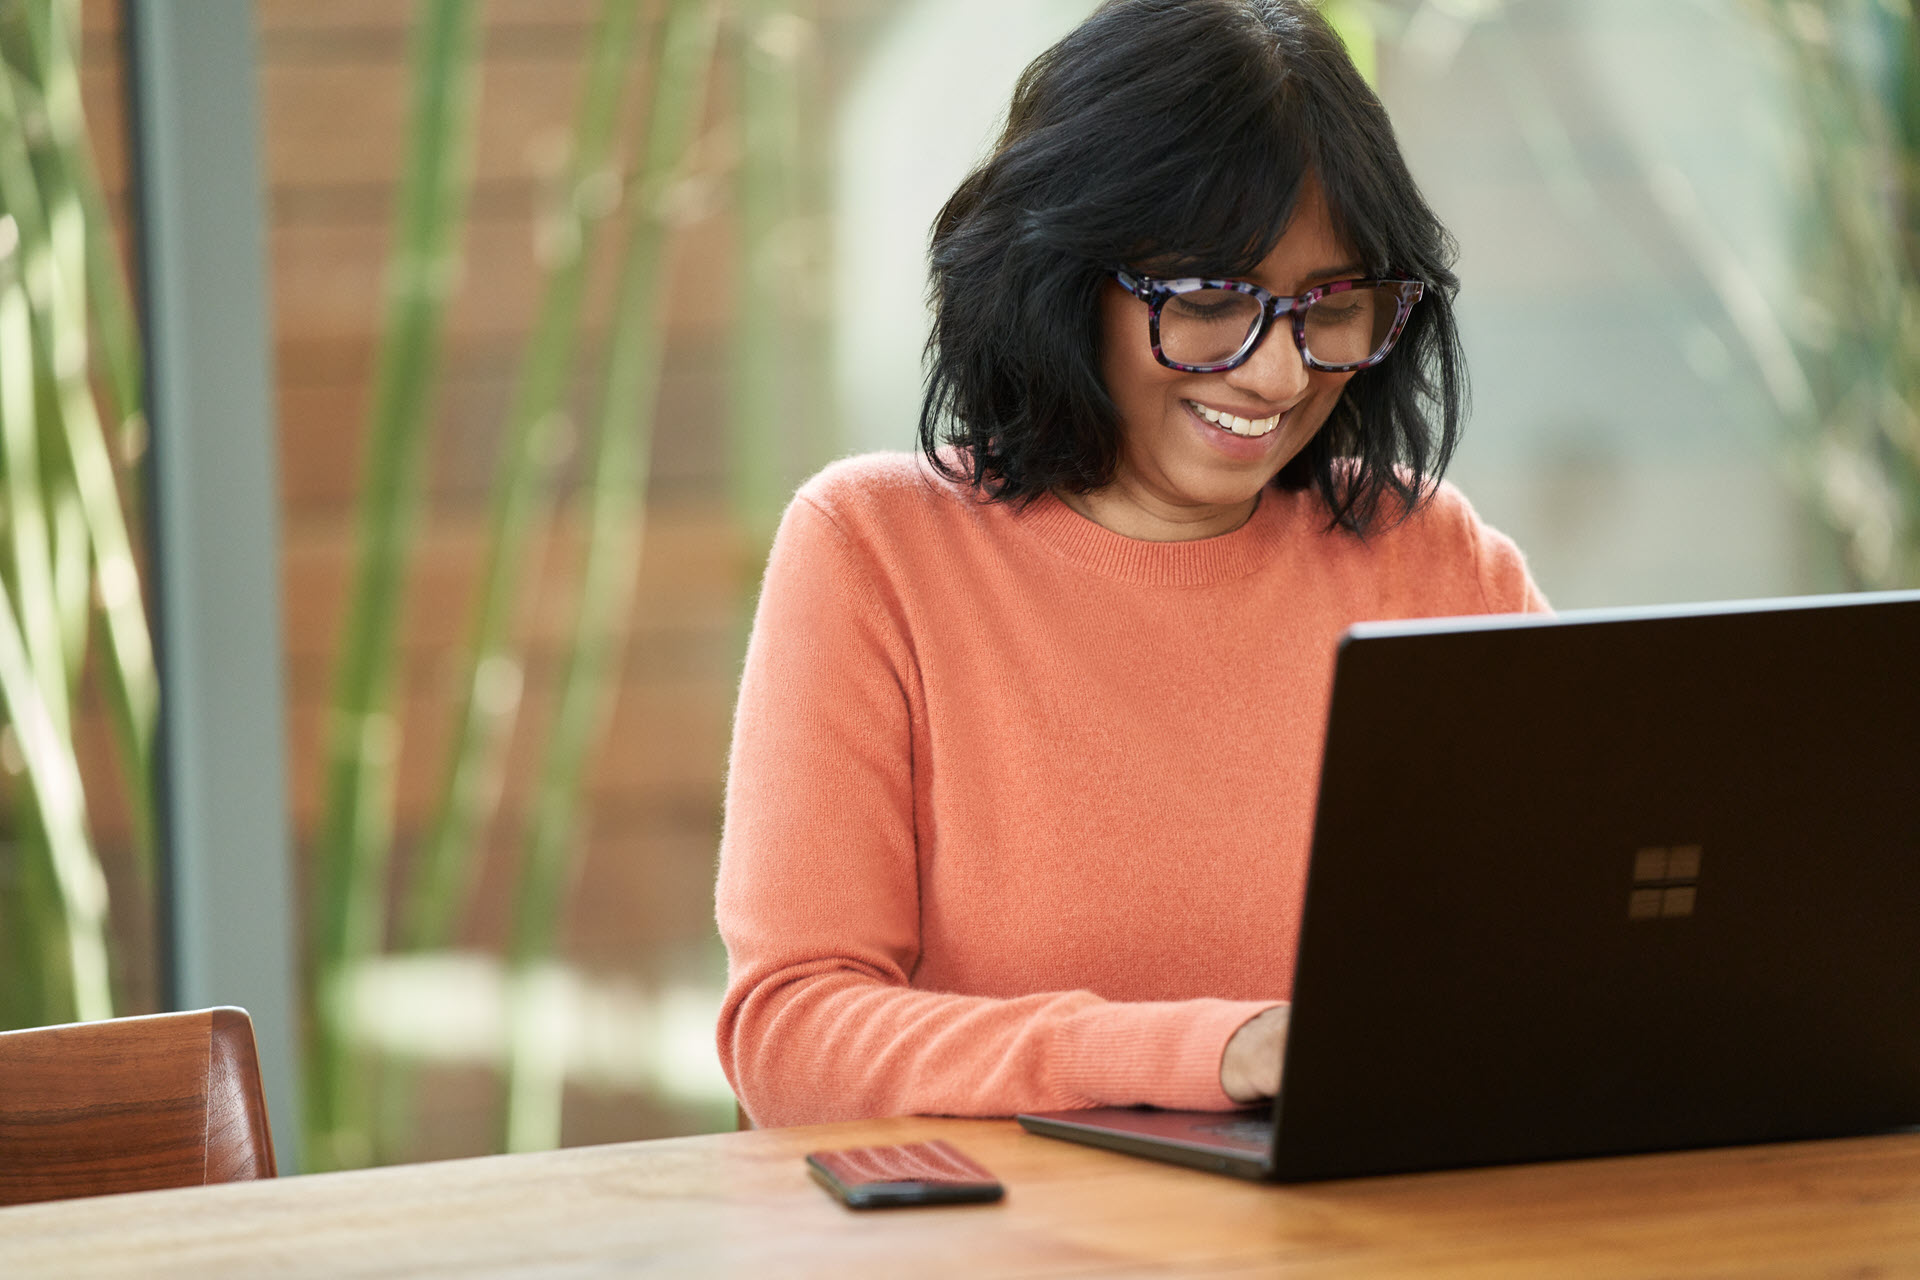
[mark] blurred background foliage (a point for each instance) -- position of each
(1855, 328)
(644, 158)
(561, 280)
(74, 644)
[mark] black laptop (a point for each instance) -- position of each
(1616, 881)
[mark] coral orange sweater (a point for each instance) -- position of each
(1019, 809)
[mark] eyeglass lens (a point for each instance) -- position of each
(1210, 326)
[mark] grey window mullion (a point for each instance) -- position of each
(229, 920)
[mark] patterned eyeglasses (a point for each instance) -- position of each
(1199, 325)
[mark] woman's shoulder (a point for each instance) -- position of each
(1439, 518)
(866, 479)
(1446, 530)
(868, 493)
(1428, 550)
(885, 527)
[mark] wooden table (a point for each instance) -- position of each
(741, 1204)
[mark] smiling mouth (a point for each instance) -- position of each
(1237, 425)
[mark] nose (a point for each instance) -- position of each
(1276, 372)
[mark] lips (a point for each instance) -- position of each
(1234, 423)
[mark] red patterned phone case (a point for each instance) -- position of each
(913, 1173)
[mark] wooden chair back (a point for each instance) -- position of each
(131, 1104)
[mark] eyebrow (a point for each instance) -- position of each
(1322, 277)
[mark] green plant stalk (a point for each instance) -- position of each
(19, 917)
(440, 882)
(57, 298)
(446, 868)
(59, 899)
(29, 535)
(54, 782)
(617, 513)
(28, 287)
(35, 680)
(70, 544)
(131, 679)
(522, 487)
(53, 25)
(72, 575)
(362, 742)
(39, 950)
(22, 904)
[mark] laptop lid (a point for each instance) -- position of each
(1616, 881)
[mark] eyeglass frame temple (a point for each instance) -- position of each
(1156, 292)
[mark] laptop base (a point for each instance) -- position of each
(1191, 1138)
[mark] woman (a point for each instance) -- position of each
(1028, 737)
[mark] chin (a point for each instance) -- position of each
(1223, 490)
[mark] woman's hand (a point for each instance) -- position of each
(1250, 1068)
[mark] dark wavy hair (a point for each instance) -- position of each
(1176, 135)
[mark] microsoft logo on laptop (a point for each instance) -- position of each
(1665, 882)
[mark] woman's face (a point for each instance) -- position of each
(1180, 475)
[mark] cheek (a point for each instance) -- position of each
(1135, 380)
(1326, 393)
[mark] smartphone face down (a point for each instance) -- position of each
(912, 1173)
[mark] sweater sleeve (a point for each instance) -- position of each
(818, 898)
(1505, 582)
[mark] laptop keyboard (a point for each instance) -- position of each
(1253, 1129)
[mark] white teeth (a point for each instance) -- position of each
(1238, 425)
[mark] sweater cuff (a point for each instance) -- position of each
(1158, 1054)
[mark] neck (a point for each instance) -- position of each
(1151, 519)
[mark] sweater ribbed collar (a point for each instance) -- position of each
(1196, 563)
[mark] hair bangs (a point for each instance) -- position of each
(1232, 177)
(1207, 187)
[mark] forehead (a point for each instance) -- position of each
(1309, 252)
